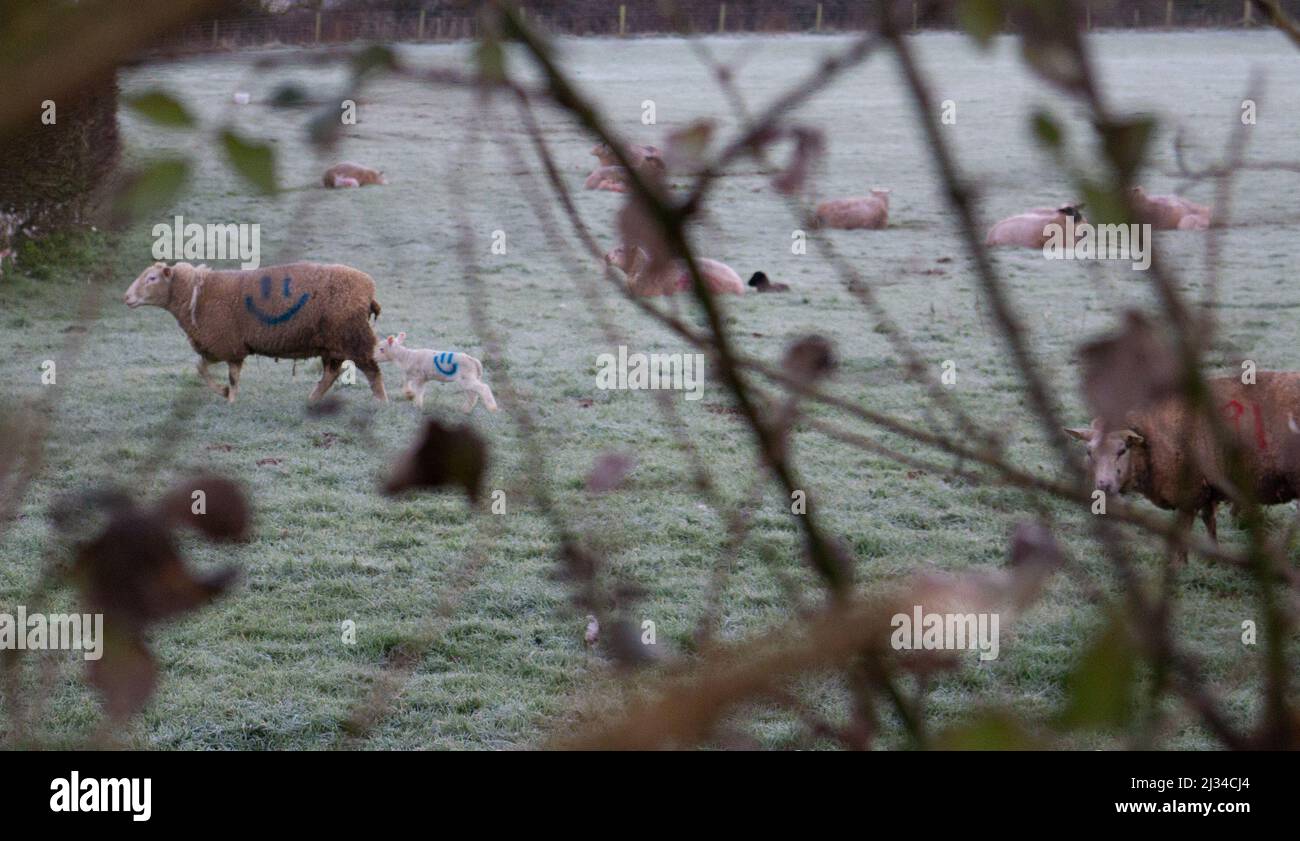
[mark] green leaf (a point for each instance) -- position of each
(156, 185)
(161, 108)
(995, 729)
(289, 95)
(1101, 686)
(1047, 130)
(491, 59)
(981, 19)
(1103, 205)
(373, 58)
(255, 161)
(1125, 143)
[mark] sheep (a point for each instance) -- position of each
(422, 365)
(347, 169)
(719, 277)
(761, 284)
(1168, 213)
(612, 178)
(1031, 229)
(294, 311)
(861, 212)
(1172, 461)
(637, 155)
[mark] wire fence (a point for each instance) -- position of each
(646, 17)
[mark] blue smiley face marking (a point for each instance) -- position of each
(286, 292)
(445, 362)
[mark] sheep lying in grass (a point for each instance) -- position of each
(869, 212)
(718, 277)
(612, 178)
(422, 365)
(295, 311)
(639, 156)
(760, 281)
(357, 172)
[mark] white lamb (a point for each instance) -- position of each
(422, 365)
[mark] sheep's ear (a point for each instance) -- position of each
(1131, 436)
(401, 337)
(390, 340)
(1083, 433)
(167, 272)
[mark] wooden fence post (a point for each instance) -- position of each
(420, 33)
(818, 26)
(215, 35)
(1246, 13)
(1087, 16)
(622, 20)
(318, 27)
(916, 19)
(1169, 14)
(722, 17)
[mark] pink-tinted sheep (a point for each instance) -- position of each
(1032, 229)
(637, 155)
(719, 277)
(612, 178)
(1169, 213)
(347, 169)
(860, 212)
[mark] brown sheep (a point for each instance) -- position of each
(295, 311)
(361, 174)
(1173, 462)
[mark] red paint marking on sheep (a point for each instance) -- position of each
(1236, 409)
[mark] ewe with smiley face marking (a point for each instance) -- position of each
(273, 320)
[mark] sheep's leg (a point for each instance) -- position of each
(1185, 520)
(232, 371)
(471, 397)
(327, 378)
(419, 394)
(1209, 517)
(486, 393)
(211, 383)
(370, 368)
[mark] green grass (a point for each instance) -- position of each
(265, 667)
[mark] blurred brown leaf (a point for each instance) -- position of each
(609, 472)
(809, 146)
(1127, 370)
(809, 358)
(212, 505)
(442, 456)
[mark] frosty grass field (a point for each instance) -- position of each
(265, 667)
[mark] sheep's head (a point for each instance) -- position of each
(383, 350)
(628, 259)
(881, 193)
(1075, 210)
(152, 288)
(617, 257)
(382, 179)
(1113, 457)
(605, 154)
